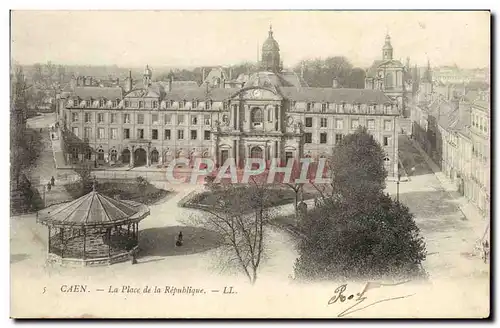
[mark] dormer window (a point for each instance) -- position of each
(102, 102)
(309, 106)
(141, 104)
(115, 103)
(324, 106)
(182, 103)
(155, 104)
(224, 105)
(293, 103)
(87, 103)
(195, 104)
(208, 104)
(127, 103)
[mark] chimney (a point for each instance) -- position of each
(335, 83)
(230, 73)
(170, 80)
(129, 81)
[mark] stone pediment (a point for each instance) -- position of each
(258, 93)
(142, 93)
(391, 64)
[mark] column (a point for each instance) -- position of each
(238, 117)
(279, 118)
(148, 157)
(84, 242)
(237, 152)
(132, 157)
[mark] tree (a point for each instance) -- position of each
(242, 233)
(357, 168)
(357, 231)
(321, 72)
(343, 242)
(356, 78)
(86, 180)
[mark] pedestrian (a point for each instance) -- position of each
(133, 257)
(40, 130)
(52, 180)
(486, 251)
(48, 186)
(178, 242)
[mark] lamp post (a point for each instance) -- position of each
(397, 183)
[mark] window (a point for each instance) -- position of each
(194, 120)
(100, 118)
(88, 154)
(338, 138)
(206, 135)
(182, 103)
(322, 138)
(387, 125)
(88, 117)
(140, 118)
(154, 134)
(74, 117)
(102, 103)
(140, 133)
(155, 104)
(371, 124)
(126, 103)
(100, 133)
(256, 117)
(154, 118)
(339, 124)
(309, 122)
(126, 133)
(324, 122)
(87, 103)
(195, 104)
(324, 107)
(113, 133)
(206, 118)
(208, 104)
(75, 131)
(180, 119)
(308, 137)
(225, 105)
(126, 118)
(141, 104)
(269, 115)
(354, 124)
(310, 106)
(114, 103)
(168, 118)
(167, 135)
(112, 118)
(386, 141)
(225, 119)
(100, 154)
(193, 134)
(288, 155)
(180, 134)
(87, 132)
(114, 154)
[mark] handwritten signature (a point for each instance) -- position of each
(340, 297)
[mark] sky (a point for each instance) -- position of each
(197, 38)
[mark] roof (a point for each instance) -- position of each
(372, 71)
(362, 96)
(94, 209)
(294, 79)
(98, 92)
(189, 93)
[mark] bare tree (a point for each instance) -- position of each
(239, 215)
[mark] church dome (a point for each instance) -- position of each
(387, 45)
(270, 44)
(147, 71)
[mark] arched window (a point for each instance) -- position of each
(256, 116)
(74, 152)
(88, 154)
(256, 152)
(389, 80)
(114, 154)
(100, 154)
(154, 156)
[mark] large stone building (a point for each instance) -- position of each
(271, 114)
(390, 76)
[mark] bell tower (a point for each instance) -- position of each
(271, 54)
(387, 49)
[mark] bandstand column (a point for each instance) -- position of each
(62, 241)
(109, 242)
(132, 154)
(84, 242)
(49, 240)
(148, 157)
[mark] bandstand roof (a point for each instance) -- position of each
(94, 209)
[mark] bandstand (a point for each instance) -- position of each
(93, 230)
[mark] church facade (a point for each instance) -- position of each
(274, 114)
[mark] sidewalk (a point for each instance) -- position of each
(468, 209)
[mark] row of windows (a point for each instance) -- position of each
(140, 118)
(346, 107)
(339, 123)
(113, 134)
(103, 103)
(480, 123)
(323, 138)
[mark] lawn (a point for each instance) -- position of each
(147, 194)
(277, 196)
